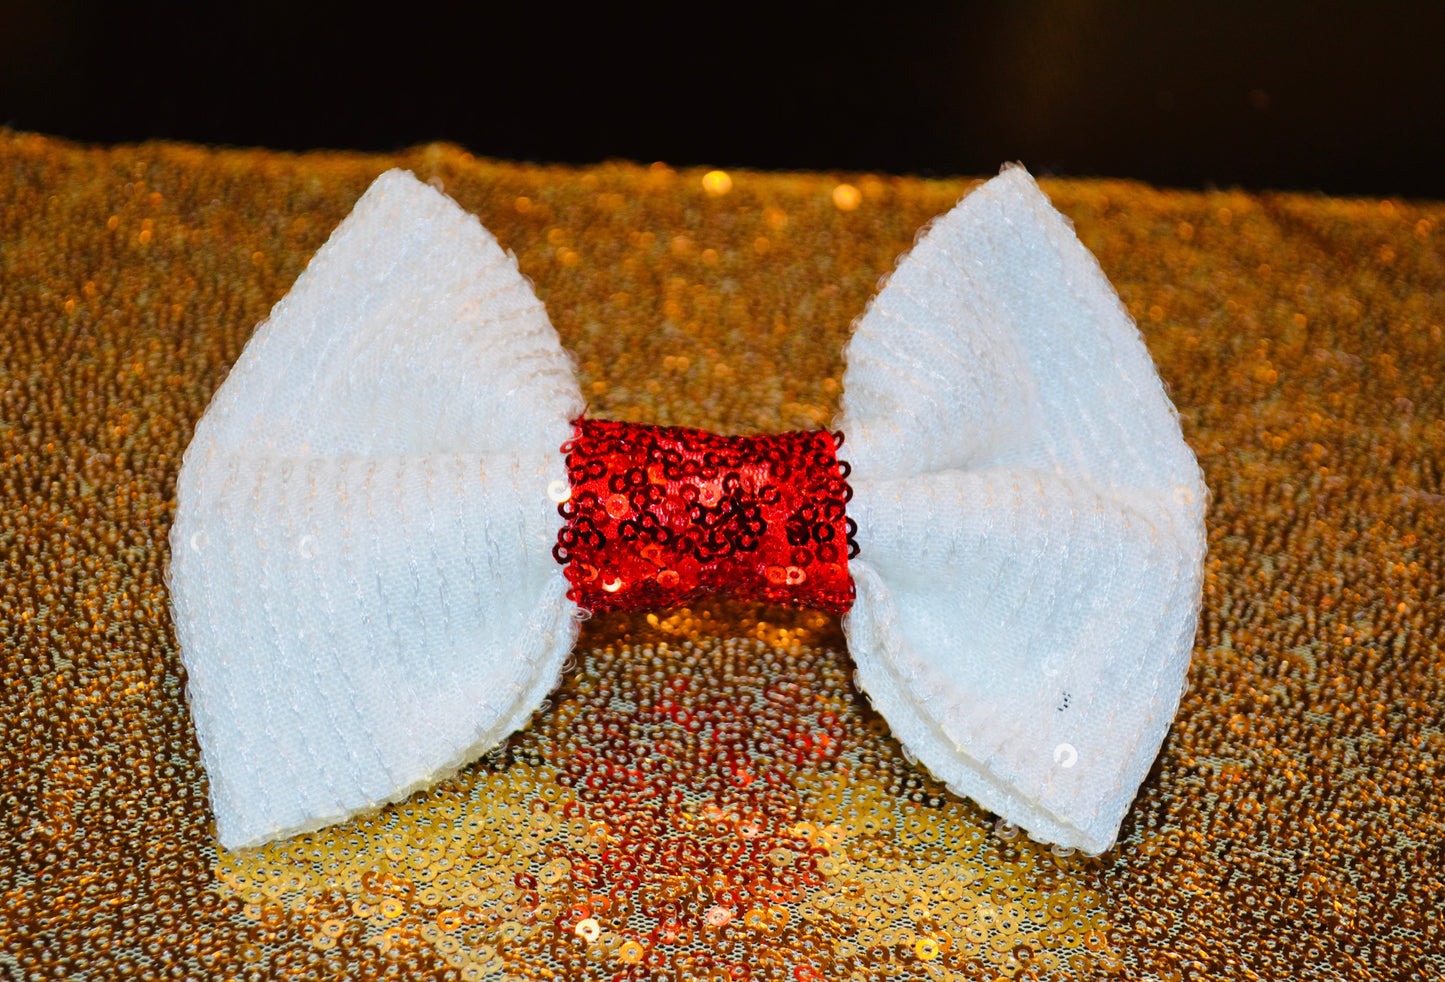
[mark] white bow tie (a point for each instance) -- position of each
(362, 573)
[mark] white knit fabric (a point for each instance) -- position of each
(1031, 522)
(362, 580)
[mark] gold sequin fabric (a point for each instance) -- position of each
(707, 796)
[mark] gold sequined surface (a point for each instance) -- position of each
(706, 796)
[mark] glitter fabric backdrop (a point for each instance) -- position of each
(707, 796)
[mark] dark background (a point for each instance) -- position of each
(1341, 98)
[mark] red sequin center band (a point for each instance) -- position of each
(660, 516)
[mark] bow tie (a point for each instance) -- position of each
(382, 547)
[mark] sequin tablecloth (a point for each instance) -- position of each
(707, 796)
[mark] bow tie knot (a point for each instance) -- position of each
(662, 516)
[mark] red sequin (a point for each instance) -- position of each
(661, 516)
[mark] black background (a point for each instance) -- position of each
(1340, 98)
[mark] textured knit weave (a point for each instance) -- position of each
(1031, 521)
(361, 573)
(363, 583)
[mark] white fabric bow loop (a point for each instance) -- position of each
(1030, 520)
(362, 577)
